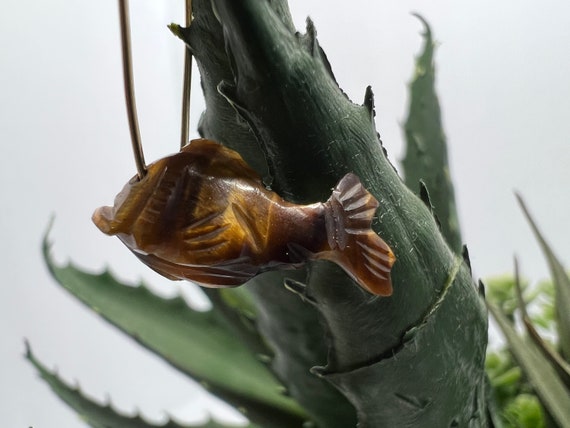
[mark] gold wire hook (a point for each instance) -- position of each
(129, 88)
(187, 83)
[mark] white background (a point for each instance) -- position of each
(64, 148)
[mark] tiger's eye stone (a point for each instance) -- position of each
(204, 215)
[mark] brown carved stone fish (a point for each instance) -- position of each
(204, 215)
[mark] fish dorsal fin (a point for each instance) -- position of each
(222, 161)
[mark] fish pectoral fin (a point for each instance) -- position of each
(206, 233)
(206, 238)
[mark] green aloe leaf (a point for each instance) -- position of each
(278, 84)
(105, 416)
(414, 393)
(561, 285)
(292, 327)
(559, 364)
(426, 157)
(551, 390)
(236, 306)
(201, 344)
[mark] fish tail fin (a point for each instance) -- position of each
(354, 245)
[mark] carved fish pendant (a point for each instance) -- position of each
(204, 215)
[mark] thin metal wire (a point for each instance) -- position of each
(129, 88)
(186, 87)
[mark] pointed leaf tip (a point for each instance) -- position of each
(176, 30)
(424, 22)
(466, 258)
(481, 289)
(311, 34)
(369, 101)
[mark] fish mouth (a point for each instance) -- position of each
(109, 220)
(104, 220)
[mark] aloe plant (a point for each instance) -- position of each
(312, 348)
(532, 380)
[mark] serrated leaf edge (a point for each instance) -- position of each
(52, 378)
